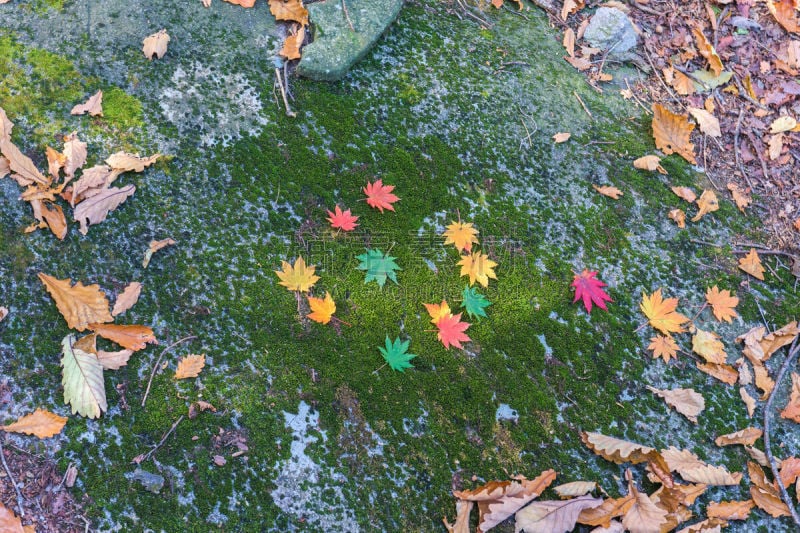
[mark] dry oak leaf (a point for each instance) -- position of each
(298, 277)
(574, 489)
(706, 50)
(379, 196)
(55, 161)
(661, 313)
(764, 493)
(5, 126)
(722, 303)
(75, 152)
(664, 347)
(438, 311)
(609, 190)
(9, 522)
(569, 41)
(757, 455)
(707, 203)
(746, 436)
(685, 193)
(687, 402)
(156, 44)
(733, 510)
(292, 43)
(775, 145)
(93, 106)
(497, 500)
(678, 216)
(82, 379)
(709, 525)
(561, 137)
(558, 516)
(478, 267)
(707, 345)
(292, 10)
(570, 7)
(789, 471)
(190, 366)
(132, 337)
(792, 409)
(644, 516)
(709, 124)
(94, 210)
(54, 217)
(130, 162)
(40, 423)
(778, 339)
(321, 308)
(92, 181)
(79, 305)
(749, 401)
(24, 171)
(763, 380)
(611, 508)
(617, 450)
(693, 470)
(343, 220)
(671, 132)
(751, 264)
(154, 247)
(113, 360)
(462, 235)
(127, 298)
(785, 12)
(649, 162)
(740, 197)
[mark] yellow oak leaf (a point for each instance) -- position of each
(462, 235)
(722, 303)
(321, 309)
(671, 132)
(438, 311)
(609, 190)
(707, 345)
(707, 203)
(661, 313)
(190, 366)
(79, 305)
(298, 277)
(41, 423)
(664, 347)
(751, 264)
(478, 267)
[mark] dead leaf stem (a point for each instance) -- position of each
(155, 367)
(279, 81)
(583, 105)
(347, 16)
(162, 441)
(13, 481)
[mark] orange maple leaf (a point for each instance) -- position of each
(664, 347)
(751, 264)
(661, 313)
(438, 311)
(343, 220)
(722, 303)
(380, 196)
(672, 131)
(321, 309)
(451, 331)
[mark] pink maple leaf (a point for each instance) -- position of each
(590, 289)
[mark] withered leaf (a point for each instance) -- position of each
(558, 516)
(609, 190)
(671, 132)
(79, 305)
(687, 402)
(190, 366)
(678, 216)
(55, 161)
(611, 508)
(54, 217)
(707, 203)
(617, 450)
(749, 401)
(156, 44)
(132, 337)
(789, 471)
(93, 106)
(763, 380)
(5, 126)
(709, 124)
(562, 136)
(127, 298)
(291, 10)
(649, 162)
(706, 50)
(95, 209)
(575, 488)
(154, 247)
(130, 162)
(644, 516)
(92, 181)
(732, 510)
(751, 264)
(75, 152)
(685, 193)
(792, 409)
(25, 172)
(708, 346)
(746, 436)
(740, 197)
(114, 360)
(40, 423)
(292, 43)
(692, 469)
(764, 493)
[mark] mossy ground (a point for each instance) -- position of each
(450, 115)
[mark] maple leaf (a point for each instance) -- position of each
(291, 10)
(792, 409)
(707, 203)
(127, 298)
(661, 313)
(79, 305)
(438, 311)
(649, 162)
(678, 216)
(343, 220)
(708, 346)
(396, 354)
(462, 235)
(765, 493)
(671, 132)
(40, 423)
(608, 190)
(746, 436)
(664, 347)
(93, 106)
(478, 267)
(380, 196)
(553, 516)
(474, 303)
(94, 210)
(82, 379)
(156, 44)
(321, 309)
(751, 264)
(722, 303)
(298, 277)
(741, 197)
(685, 193)
(132, 337)
(378, 266)
(687, 402)
(590, 289)
(451, 331)
(292, 43)
(190, 366)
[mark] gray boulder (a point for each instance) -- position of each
(611, 29)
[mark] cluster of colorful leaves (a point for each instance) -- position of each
(90, 194)
(450, 328)
(86, 307)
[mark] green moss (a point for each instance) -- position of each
(122, 110)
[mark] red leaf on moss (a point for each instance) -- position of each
(343, 220)
(590, 290)
(451, 331)
(380, 196)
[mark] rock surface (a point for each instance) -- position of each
(611, 29)
(337, 46)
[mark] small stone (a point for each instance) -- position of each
(611, 29)
(219, 460)
(151, 482)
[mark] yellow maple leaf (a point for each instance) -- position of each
(708, 346)
(321, 309)
(751, 264)
(661, 313)
(462, 235)
(664, 347)
(438, 311)
(478, 267)
(707, 203)
(298, 277)
(722, 303)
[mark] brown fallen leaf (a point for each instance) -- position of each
(644, 516)
(603, 515)
(130, 162)
(75, 153)
(687, 402)
(708, 123)
(93, 106)
(570, 7)
(763, 380)
(127, 298)
(707, 203)
(764, 493)
(649, 162)
(40, 423)
(693, 470)
(569, 41)
(751, 264)
(682, 84)
(24, 171)
(740, 197)
(757, 455)
(709, 525)
(789, 471)
(783, 124)
(5, 168)
(154, 247)
(732, 510)
(722, 303)
(561, 137)
(617, 450)
(778, 339)
(156, 44)
(5, 126)
(685, 193)
(707, 50)
(574, 489)
(461, 525)
(746, 436)
(609, 190)
(749, 401)
(559, 516)
(113, 360)
(671, 132)
(580, 63)
(9, 522)
(243, 3)
(94, 210)
(54, 218)
(291, 10)
(79, 305)
(55, 161)
(292, 44)
(199, 406)
(785, 12)
(132, 337)
(92, 181)
(709, 347)
(678, 216)
(190, 366)
(3, 313)
(792, 409)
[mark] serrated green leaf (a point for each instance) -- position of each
(82, 378)
(474, 302)
(395, 354)
(378, 266)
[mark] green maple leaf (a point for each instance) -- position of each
(474, 302)
(378, 266)
(395, 354)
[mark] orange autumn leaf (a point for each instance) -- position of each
(190, 366)
(438, 311)
(707, 345)
(685, 193)
(722, 303)
(79, 305)
(671, 132)
(746, 436)
(661, 313)
(751, 264)
(132, 337)
(740, 197)
(678, 216)
(462, 235)
(725, 373)
(9, 522)
(343, 220)
(707, 203)
(380, 196)
(706, 50)
(649, 162)
(291, 10)
(792, 409)
(451, 331)
(93, 106)
(321, 308)
(664, 347)
(733, 510)
(127, 298)
(785, 12)
(292, 44)
(617, 450)
(789, 471)
(609, 190)
(156, 44)
(40, 423)
(765, 493)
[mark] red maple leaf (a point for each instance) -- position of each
(380, 196)
(451, 330)
(343, 220)
(590, 289)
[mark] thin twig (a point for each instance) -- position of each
(743, 93)
(279, 81)
(13, 482)
(347, 16)
(163, 440)
(791, 357)
(155, 367)
(583, 105)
